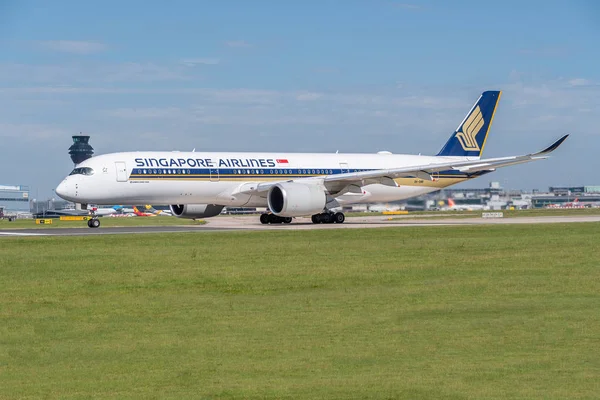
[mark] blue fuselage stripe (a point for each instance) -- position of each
(244, 173)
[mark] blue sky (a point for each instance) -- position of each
(353, 76)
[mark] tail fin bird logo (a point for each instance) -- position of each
(470, 129)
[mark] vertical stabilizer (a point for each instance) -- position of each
(469, 138)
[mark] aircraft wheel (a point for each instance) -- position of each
(339, 218)
(94, 223)
(264, 218)
(287, 220)
(316, 219)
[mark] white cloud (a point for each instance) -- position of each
(65, 75)
(145, 113)
(243, 96)
(30, 132)
(141, 72)
(72, 46)
(579, 82)
(308, 96)
(544, 52)
(237, 43)
(192, 62)
(65, 89)
(515, 75)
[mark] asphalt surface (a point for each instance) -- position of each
(244, 223)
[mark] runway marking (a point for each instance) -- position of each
(113, 231)
(22, 234)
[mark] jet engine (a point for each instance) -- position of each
(193, 211)
(290, 199)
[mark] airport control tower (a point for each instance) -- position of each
(80, 150)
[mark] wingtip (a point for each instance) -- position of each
(554, 145)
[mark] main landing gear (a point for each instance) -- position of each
(94, 222)
(274, 219)
(324, 218)
(328, 218)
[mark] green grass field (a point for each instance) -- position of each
(490, 312)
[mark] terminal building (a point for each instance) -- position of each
(14, 198)
(575, 190)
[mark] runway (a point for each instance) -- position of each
(245, 223)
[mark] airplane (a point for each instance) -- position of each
(200, 184)
(72, 212)
(148, 211)
(123, 210)
(139, 213)
(571, 204)
(102, 211)
(160, 211)
(452, 206)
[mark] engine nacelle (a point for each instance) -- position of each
(193, 211)
(290, 199)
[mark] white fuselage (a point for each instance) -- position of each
(220, 178)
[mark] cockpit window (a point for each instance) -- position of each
(82, 171)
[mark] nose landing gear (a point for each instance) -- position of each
(94, 222)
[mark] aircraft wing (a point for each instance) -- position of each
(336, 183)
(425, 171)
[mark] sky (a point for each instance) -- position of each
(310, 76)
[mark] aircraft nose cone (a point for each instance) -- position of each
(64, 190)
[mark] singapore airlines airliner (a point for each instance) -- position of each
(199, 185)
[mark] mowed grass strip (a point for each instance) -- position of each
(433, 312)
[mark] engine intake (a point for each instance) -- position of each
(193, 211)
(290, 199)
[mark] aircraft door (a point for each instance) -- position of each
(344, 167)
(214, 174)
(121, 171)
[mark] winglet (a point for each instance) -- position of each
(552, 147)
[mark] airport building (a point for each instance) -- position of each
(14, 198)
(81, 149)
(560, 201)
(574, 190)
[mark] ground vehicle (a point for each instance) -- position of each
(3, 215)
